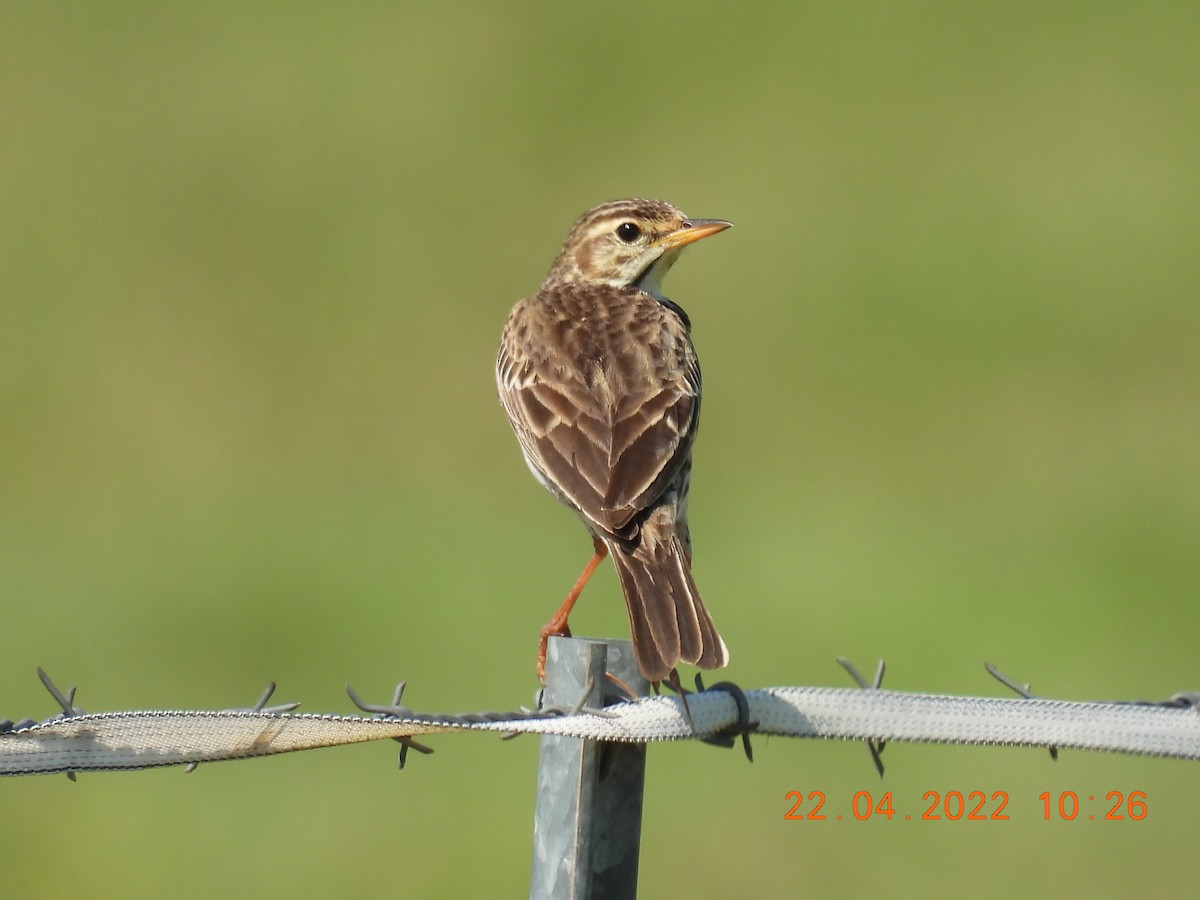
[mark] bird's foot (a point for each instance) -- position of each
(556, 627)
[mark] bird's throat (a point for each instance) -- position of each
(650, 281)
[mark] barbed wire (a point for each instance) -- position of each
(75, 741)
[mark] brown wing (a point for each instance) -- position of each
(602, 388)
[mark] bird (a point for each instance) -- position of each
(600, 381)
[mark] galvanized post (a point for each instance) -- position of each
(588, 820)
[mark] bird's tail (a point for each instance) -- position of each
(666, 615)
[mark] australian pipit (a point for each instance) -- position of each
(601, 384)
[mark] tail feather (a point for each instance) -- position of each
(666, 615)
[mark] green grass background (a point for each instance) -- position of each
(254, 261)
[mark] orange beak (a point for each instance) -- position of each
(692, 230)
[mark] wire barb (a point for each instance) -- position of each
(259, 706)
(66, 701)
(393, 711)
(543, 710)
(1023, 690)
(556, 709)
(874, 747)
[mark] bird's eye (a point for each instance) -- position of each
(628, 232)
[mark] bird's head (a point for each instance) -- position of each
(628, 242)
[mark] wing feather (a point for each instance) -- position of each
(606, 415)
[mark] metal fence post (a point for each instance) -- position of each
(588, 819)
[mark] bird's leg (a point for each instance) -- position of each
(557, 626)
(673, 680)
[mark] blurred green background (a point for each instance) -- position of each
(254, 261)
